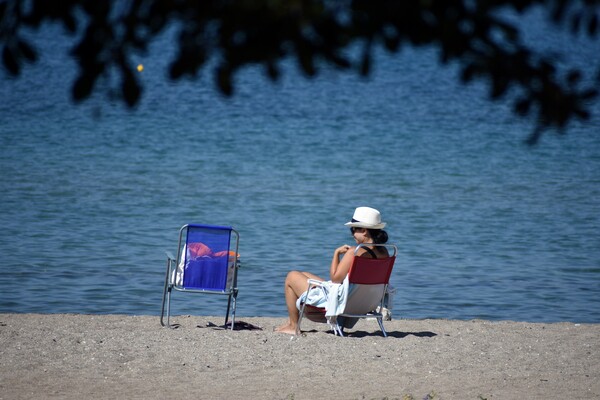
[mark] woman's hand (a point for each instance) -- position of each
(339, 268)
(342, 249)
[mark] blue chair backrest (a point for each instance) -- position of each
(207, 256)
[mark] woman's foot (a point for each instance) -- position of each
(288, 329)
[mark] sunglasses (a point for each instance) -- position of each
(353, 229)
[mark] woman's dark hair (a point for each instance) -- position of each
(379, 236)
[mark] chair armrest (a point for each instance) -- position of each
(170, 255)
(314, 282)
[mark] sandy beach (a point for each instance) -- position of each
(117, 356)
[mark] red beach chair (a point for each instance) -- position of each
(368, 280)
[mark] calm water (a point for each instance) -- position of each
(92, 195)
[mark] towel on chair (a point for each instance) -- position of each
(331, 296)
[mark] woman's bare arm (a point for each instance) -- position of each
(339, 268)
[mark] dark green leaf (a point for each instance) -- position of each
(10, 61)
(573, 77)
(176, 70)
(27, 51)
(83, 87)
(575, 23)
(593, 25)
(365, 65)
(272, 71)
(589, 94)
(224, 81)
(523, 106)
(131, 89)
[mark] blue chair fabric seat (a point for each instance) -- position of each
(207, 262)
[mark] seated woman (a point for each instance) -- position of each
(366, 227)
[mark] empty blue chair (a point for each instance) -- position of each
(207, 262)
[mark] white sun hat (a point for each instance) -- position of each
(366, 217)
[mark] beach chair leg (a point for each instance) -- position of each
(166, 298)
(228, 310)
(168, 310)
(162, 311)
(235, 304)
(233, 308)
(380, 322)
(300, 317)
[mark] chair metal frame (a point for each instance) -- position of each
(366, 272)
(171, 271)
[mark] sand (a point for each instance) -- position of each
(115, 356)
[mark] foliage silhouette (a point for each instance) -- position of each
(264, 32)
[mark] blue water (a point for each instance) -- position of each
(487, 227)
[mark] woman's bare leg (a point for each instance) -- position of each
(295, 284)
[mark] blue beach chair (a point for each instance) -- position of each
(207, 263)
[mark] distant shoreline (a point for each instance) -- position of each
(119, 356)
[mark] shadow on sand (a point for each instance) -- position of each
(394, 334)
